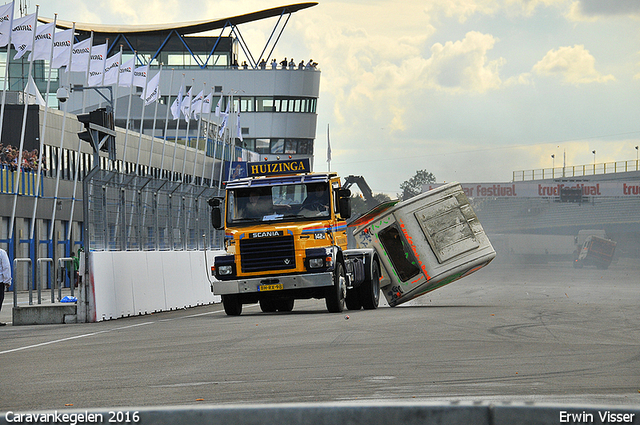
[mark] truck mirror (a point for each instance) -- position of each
(345, 207)
(216, 215)
(344, 193)
(216, 218)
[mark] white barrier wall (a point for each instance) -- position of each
(128, 283)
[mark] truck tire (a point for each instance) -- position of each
(285, 305)
(232, 305)
(337, 293)
(268, 306)
(353, 299)
(369, 291)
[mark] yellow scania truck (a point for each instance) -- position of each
(286, 239)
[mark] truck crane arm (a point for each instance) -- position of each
(364, 188)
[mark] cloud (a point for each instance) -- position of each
(463, 66)
(462, 9)
(575, 65)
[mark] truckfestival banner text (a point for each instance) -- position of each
(546, 190)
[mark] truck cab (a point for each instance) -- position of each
(286, 239)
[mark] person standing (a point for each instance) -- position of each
(5, 276)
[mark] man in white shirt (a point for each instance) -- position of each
(5, 276)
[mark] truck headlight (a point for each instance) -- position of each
(225, 270)
(316, 263)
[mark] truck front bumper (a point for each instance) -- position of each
(300, 281)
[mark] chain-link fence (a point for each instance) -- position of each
(125, 212)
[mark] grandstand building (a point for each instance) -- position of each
(41, 215)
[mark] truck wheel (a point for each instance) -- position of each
(370, 290)
(353, 299)
(268, 306)
(232, 305)
(337, 293)
(285, 305)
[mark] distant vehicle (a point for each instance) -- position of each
(593, 248)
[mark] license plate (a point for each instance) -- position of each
(273, 287)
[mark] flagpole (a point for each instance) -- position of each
(6, 73)
(126, 130)
(204, 151)
(215, 143)
(215, 139)
(115, 98)
(175, 144)
(153, 127)
(166, 124)
(223, 147)
(22, 133)
(186, 141)
(195, 159)
(43, 131)
(144, 92)
(88, 73)
(328, 150)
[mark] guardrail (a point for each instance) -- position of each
(29, 280)
(577, 170)
(39, 262)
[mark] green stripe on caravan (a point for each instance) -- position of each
(272, 168)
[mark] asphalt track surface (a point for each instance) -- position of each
(534, 333)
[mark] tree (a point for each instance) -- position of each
(413, 186)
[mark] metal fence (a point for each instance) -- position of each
(577, 170)
(126, 212)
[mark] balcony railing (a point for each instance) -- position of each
(577, 170)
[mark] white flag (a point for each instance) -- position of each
(219, 106)
(32, 89)
(175, 106)
(126, 73)
(112, 68)
(62, 42)
(152, 92)
(22, 34)
(80, 56)
(206, 103)
(225, 118)
(42, 46)
(196, 105)
(6, 20)
(185, 107)
(223, 126)
(96, 65)
(140, 76)
(238, 129)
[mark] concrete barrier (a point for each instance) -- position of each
(129, 283)
(403, 413)
(43, 314)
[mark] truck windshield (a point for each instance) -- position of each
(278, 203)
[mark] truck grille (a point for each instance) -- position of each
(264, 254)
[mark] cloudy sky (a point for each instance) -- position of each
(470, 90)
